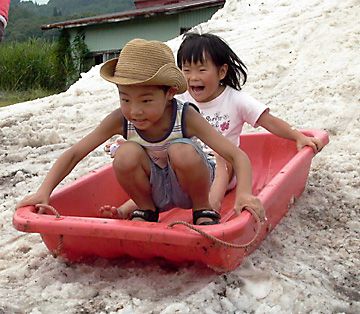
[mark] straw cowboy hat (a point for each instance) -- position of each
(147, 63)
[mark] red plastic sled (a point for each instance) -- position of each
(279, 177)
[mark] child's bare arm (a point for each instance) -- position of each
(283, 129)
(199, 127)
(71, 157)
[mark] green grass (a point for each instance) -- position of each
(35, 69)
(13, 97)
(30, 70)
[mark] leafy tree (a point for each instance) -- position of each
(64, 64)
(31, 58)
(79, 52)
(56, 12)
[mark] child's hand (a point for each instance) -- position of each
(33, 199)
(315, 143)
(111, 148)
(249, 200)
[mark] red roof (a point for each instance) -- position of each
(140, 4)
(173, 8)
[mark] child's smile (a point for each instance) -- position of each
(203, 80)
(197, 90)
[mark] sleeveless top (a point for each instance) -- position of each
(157, 149)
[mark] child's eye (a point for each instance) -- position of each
(124, 100)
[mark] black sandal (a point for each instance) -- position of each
(145, 214)
(206, 213)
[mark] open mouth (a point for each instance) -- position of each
(197, 89)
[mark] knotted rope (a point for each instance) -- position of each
(259, 224)
(41, 209)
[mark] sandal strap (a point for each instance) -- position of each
(145, 214)
(206, 213)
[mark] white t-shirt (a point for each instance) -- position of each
(229, 111)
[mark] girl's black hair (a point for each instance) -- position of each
(196, 46)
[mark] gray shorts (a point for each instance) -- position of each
(166, 190)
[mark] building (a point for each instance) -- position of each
(105, 35)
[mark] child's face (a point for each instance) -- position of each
(203, 79)
(144, 105)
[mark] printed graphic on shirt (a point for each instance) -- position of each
(219, 121)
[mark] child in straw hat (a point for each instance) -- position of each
(159, 166)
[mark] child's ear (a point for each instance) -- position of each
(223, 71)
(172, 92)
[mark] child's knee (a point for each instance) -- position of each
(128, 156)
(184, 156)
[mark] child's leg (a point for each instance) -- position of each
(127, 208)
(132, 169)
(223, 174)
(192, 173)
(122, 212)
(218, 189)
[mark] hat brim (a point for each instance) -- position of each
(167, 75)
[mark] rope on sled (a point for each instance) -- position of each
(259, 224)
(41, 209)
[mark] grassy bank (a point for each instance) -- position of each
(32, 69)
